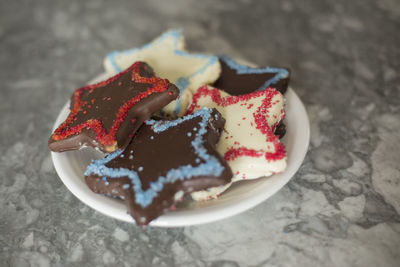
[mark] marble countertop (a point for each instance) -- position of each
(342, 208)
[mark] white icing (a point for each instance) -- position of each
(245, 134)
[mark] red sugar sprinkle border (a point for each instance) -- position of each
(259, 117)
(102, 136)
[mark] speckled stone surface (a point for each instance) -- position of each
(342, 207)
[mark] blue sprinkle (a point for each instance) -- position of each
(125, 186)
(197, 160)
(194, 129)
(122, 155)
(104, 178)
(161, 126)
(106, 183)
(145, 197)
(140, 168)
(189, 134)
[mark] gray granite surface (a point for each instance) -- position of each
(341, 209)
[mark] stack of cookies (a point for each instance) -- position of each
(173, 123)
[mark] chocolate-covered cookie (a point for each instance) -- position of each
(107, 114)
(165, 161)
(239, 79)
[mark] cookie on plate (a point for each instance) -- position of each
(248, 143)
(165, 161)
(107, 114)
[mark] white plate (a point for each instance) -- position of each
(242, 196)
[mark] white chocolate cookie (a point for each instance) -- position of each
(169, 59)
(248, 143)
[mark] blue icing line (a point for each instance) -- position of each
(182, 82)
(112, 58)
(243, 69)
(160, 126)
(145, 197)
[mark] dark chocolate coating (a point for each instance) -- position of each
(108, 98)
(240, 84)
(153, 154)
(280, 130)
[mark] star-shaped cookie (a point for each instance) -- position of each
(164, 161)
(239, 79)
(167, 56)
(248, 143)
(107, 114)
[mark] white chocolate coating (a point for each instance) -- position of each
(241, 131)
